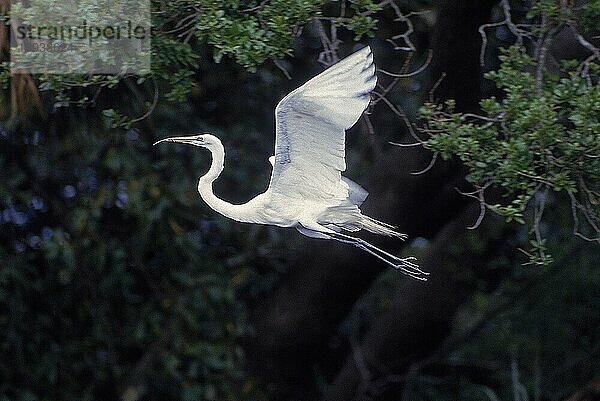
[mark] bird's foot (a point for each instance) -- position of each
(416, 274)
(409, 264)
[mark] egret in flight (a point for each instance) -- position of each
(307, 190)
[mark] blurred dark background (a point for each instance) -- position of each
(118, 283)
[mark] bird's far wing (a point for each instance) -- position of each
(311, 124)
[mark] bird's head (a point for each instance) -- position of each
(202, 140)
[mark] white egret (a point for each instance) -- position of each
(307, 190)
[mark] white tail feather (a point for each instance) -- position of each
(379, 227)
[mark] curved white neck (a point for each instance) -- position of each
(205, 186)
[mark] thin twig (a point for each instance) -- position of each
(538, 211)
(329, 54)
(400, 17)
(435, 86)
(281, 67)
(429, 167)
(514, 29)
(400, 114)
(372, 138)
(152, 106)
(413, 73)
(407, 145)
(542, 52)
(575, 206)
(479, 195)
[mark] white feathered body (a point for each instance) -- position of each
(307, 190)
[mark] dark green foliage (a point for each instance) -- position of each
(589, 16)
(251, 31)
(248, 31)
(361, 23)
(550, 138)
(544, 133)
(112, 282)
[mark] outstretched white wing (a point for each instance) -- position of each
(311, 124)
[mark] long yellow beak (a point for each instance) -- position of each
(181, 139)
